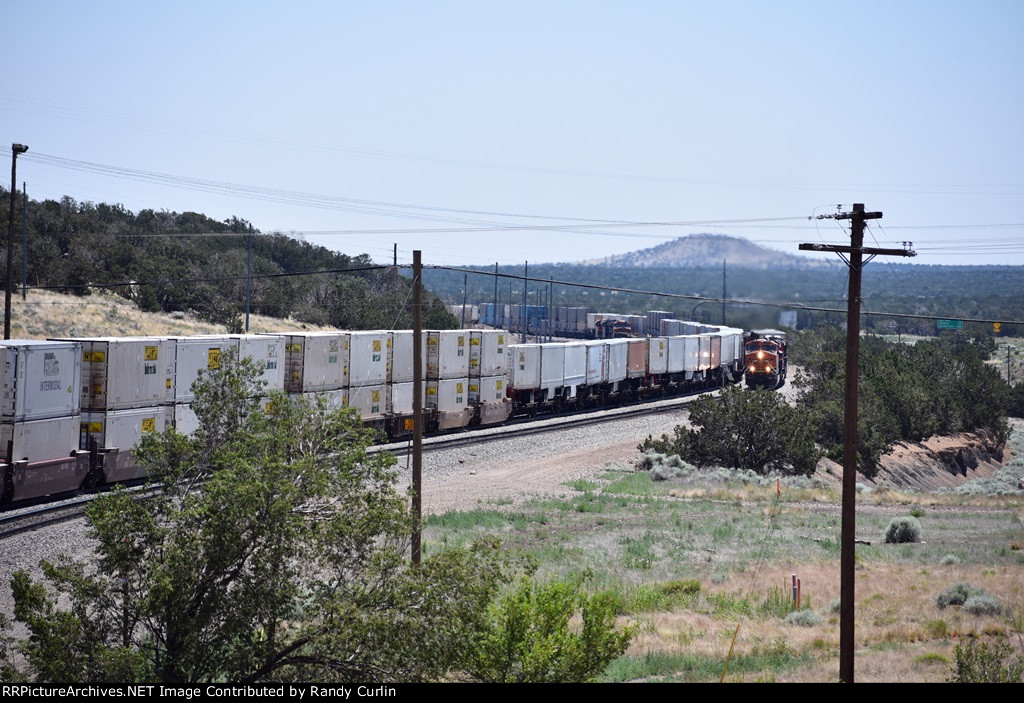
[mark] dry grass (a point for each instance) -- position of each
(894, 621)
(47, 314)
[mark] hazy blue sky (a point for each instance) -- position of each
(644, 111)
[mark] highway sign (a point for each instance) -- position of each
(950, 324)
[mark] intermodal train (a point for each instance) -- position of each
(73, 409)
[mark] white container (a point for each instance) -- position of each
(488, 389)
(447, 354)
(657, 355)
(525, 366)
(41, 379)
(123, 372)
(487, 353)
(401, 398)
(683, 354)
(40, 440)
(185, 421)
(316, 361)
(267, 352)
(370, 401)
(121, 429)
(335, 399)
(615, 353)
(597, 362)
(368, 358)
(448, 395)
(196, 354)
(552, 366)
(401, 356)
(705, 352)
(574, 367)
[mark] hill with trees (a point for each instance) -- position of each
(169, 261)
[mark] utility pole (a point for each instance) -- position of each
(525, 318)
(724, 296)
(494, 317)
(24, 241)
(394, 258)
(856, 252)
(417, 403)
(15, 150)
(465, 293)
(248, 277)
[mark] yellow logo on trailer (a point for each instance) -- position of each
(151, 353)
(213, 359)
(149, 424)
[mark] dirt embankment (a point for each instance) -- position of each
(938, 462)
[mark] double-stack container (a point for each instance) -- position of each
(39, 418)
(488, 375)
(124, 387)
(448, 360)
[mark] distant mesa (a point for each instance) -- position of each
(706, 251)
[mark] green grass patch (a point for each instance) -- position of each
(464, 520)
(773, 657)
(581, 485)
(636, 484)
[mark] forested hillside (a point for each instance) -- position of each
(188, 261)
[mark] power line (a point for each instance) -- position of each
(737, 301)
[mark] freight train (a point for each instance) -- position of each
(73, 409)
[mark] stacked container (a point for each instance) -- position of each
(447, 390)
(124, 387)
(369, 354)
(40, 418)
(488, 375)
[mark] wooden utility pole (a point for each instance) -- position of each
(417, 403)
(856, 263)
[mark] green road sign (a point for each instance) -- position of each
(950, 324)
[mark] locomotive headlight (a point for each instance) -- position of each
(760, 355)
(752, 368)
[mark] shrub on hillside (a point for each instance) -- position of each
(903, 529)
(957, 594)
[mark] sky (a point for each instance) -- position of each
(541, 131)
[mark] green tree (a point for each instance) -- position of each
(529, 637)
(754, 430)
(272, 548)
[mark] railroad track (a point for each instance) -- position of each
(19, 520)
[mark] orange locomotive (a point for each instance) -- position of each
(764, 359)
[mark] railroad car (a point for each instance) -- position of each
(74, 409)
